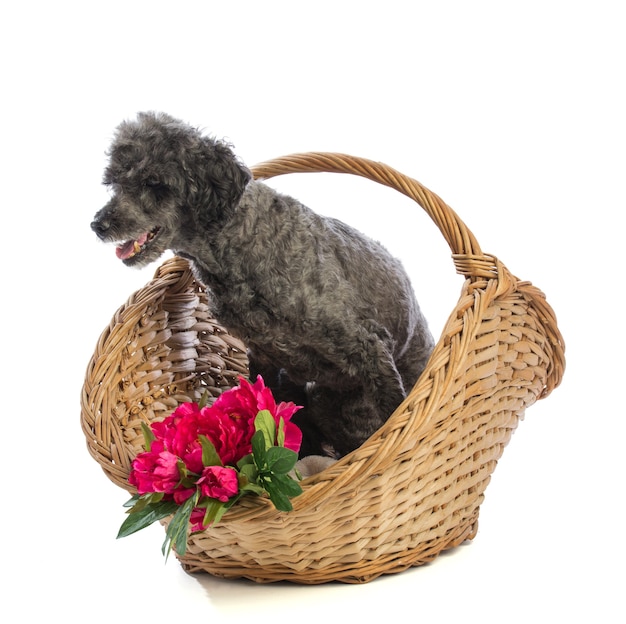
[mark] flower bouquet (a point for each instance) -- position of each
(202, 459)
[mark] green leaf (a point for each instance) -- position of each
(131, 501)
(214, 511)
(146, 516)
(277, 496)
(280, 436)
(143, 501)
(288, 486)
(183, 472)
(220, 512)
(204, 399)
(258, 450)
(176, 533)
(246, 460)
(210, 456)
(148, 436)
(265, 422)
(280, 487)
(249, 472)
(281, 460)
(253, 488)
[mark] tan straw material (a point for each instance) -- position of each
(413, 489)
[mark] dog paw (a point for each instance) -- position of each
(312, 464)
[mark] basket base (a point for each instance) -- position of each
(353, 573)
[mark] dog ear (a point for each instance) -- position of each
(228, 177)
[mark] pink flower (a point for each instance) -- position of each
(197, 518)
(246, 401)
(179, 432)
(155, 470)
(230, 434)
(182, 494)
(232, 437)
(228, 424)
(218, 482)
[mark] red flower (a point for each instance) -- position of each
(155, 470)
(231, 436)
(218, 482)
(246, 401)
(179, 432)
(196, 519)
(228, 424)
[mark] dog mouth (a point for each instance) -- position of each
(135, 246)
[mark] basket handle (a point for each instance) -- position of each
(467, 255)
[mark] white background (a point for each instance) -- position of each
(512, 112)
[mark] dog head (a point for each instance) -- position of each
(168, 182)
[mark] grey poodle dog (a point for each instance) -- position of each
(328, 315)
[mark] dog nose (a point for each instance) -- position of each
(100, 226)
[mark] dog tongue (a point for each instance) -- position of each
(127, 249)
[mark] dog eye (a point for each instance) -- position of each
(157, 188)
(111, 187)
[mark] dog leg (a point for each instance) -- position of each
(284, 389)
(345, 419)
(364, 390)
(366, 356)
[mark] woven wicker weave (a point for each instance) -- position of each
(414, 488)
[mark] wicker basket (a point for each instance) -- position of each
(413, 489)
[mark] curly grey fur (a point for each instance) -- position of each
(329, 315)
